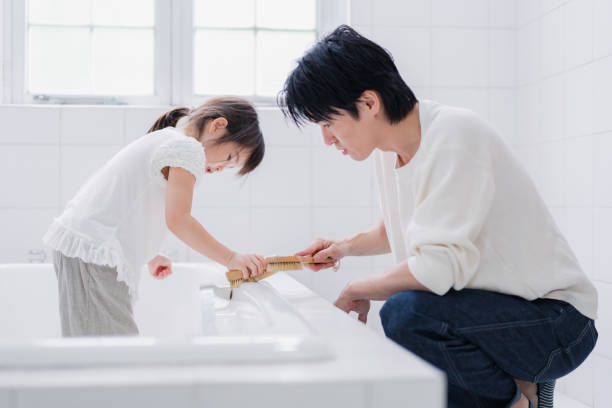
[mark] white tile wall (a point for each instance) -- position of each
(138, 120)
(21, 129)
(551, 43)
(564, 64)
(579, 383)
(578, 180)
(602, 29)
(470, 98)
(552, 185)
(415, 46)
(602, 168)
(459, 57)
(528, 53)
(602, 242)
(577, 39)
(92, 125)
(602, 80)
(527, 10)
(283, 178)
(578, 101)
(550, 112)
(602, 375)
(503, 13)
(400, 13)
(579, 234)
(338, 181)
(502, 112)
(502, 58)
(31, 176)
(604, 321)
(460, 13)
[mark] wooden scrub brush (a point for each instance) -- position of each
(275, 264)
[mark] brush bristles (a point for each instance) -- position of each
(280, 259)
(236, 283)
(283, 266)
(276, 266)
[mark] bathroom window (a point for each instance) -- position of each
(247, 47)
(96, 50)
(155, 51)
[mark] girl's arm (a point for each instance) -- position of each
(179, 196)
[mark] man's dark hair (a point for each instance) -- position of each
(334, 73)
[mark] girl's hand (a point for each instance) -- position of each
(160, 266)
(250, 264)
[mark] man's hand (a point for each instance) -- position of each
(322, 249)
(351, 301)
(160, 266)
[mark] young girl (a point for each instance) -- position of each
(119, 218)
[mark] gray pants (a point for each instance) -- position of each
(91, 300)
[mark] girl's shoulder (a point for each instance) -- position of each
(175, 149)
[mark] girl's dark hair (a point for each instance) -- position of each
(242, 125)
(334, 73)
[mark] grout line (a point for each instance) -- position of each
(60, 189)
(540, 16)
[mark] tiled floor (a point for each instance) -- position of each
(563, 401)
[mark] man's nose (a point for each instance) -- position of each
(328, 138)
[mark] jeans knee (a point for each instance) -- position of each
(399, 315)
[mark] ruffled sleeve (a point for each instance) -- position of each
(184, 152)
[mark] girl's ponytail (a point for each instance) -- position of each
(169, 118)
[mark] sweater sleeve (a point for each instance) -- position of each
(184, 152)
(453, 194)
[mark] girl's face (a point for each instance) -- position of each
(219, 157)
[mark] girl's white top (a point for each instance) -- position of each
(117, 218)
(465, 214)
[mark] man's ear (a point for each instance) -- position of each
(371, 102)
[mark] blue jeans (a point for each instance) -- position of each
(482, 340)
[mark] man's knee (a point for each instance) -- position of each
(402, 312)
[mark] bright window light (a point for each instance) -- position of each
(247, 47)
(91, 47)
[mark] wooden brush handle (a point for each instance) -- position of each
(295, 258)
(233, 274)
(311, 260)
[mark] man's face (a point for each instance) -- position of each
(349, 135)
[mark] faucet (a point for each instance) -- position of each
(36, 256)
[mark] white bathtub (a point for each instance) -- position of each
(186, 318)
(276, 341)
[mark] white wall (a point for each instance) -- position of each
(564, 134)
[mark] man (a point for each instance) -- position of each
(485, 287)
